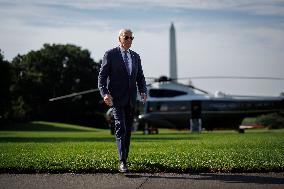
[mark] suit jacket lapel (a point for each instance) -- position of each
(133, 62)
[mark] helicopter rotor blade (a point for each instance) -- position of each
(73, 94)
(191, 86)
(232, 77)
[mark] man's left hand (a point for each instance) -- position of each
(143, 97)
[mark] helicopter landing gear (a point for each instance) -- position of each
(150, 130)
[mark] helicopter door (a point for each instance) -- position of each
(195, 118)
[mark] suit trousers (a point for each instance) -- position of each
(123, 119)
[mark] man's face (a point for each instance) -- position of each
(126, 40)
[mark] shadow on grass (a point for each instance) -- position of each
(157, 138)
(84, 139)
(41, 127)
(245, 178)
(55, 139)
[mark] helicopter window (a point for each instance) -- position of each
(163, 108)
(167, 106)
(165, 93)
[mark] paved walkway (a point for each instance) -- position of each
(141, 180)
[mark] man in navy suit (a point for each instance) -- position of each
(120, 75)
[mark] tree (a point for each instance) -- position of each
(5, 81)
(52, 71)
(272, 121)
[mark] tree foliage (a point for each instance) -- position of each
(52, 71)
(272, 121)
(5, 82)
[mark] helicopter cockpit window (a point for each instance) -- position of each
(165, 93)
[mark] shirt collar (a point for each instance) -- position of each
(122, 49)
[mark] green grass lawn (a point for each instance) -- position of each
(58, 148)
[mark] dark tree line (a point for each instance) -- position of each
(5, 83)
(29, 81)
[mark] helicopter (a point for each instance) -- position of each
(171, 104)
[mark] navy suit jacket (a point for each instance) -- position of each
(114, 80)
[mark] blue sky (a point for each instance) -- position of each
(214, 37)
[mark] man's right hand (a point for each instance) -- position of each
(108, 100)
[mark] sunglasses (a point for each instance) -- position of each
(127, 37)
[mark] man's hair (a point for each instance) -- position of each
(122, 31)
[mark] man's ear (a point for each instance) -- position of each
(119, 39)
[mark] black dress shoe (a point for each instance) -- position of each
(122, 168)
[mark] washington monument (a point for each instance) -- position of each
(173, 53)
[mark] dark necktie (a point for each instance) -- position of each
(126, 62)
